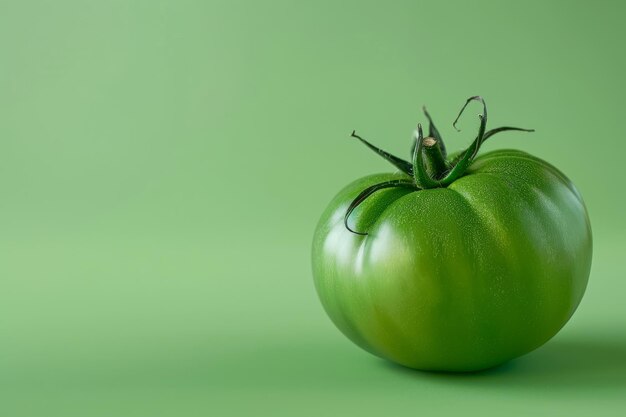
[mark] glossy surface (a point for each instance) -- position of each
(460, 278)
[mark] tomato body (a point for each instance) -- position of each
(460, 278)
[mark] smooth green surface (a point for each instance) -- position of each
(461, 278)
(163, 165)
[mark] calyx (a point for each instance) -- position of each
(429, 166)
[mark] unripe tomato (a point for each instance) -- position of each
(455, 274)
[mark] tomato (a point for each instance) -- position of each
(454, 264)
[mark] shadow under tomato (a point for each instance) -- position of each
(559, 365)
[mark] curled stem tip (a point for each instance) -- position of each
(365, 194)
(477, 98)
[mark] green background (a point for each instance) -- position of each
(163, 165)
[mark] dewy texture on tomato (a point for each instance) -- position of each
(454, 263)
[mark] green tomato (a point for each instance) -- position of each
(460, 277)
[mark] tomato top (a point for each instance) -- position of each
(429, 166)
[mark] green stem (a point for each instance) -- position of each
(434, 159)
(420, 174)
(433, 132)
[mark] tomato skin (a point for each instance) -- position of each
(461, 278)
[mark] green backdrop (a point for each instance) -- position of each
(163, 165)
